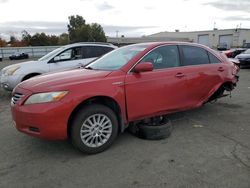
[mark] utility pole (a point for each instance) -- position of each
(214, 25)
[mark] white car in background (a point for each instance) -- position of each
(63, 58)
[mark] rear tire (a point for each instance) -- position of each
(94, 129)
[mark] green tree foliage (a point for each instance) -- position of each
(12, 39)
(53, 40)
(26, 38)
(63, 39)
(75, 22)
(39, 39)
(97, 33)
(79, 31)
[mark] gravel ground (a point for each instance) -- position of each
(209, 147)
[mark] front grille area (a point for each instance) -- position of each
(16, 97)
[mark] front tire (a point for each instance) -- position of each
(94, 129)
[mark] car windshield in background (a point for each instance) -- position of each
(117, 58)
(51, 54)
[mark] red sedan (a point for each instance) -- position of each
(91, 106)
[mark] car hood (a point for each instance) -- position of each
(243, 56)
(62, 80)
(27, 63)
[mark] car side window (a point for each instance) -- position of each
(95, 51)
(163, 57)
(69, 54)
(213, 59)
(194, 56)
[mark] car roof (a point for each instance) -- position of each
(91, 44)
(155, 44)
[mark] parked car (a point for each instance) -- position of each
(66, 57)
(244, 58)
(232, 53)
(19, 55)
(222, 46)
(91, 106)
(246, 45)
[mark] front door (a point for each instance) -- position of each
(68, 59)
(158, 91)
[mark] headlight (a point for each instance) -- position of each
(10, 71)
(46, 97)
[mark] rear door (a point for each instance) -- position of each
(203, 71)
(157, 91)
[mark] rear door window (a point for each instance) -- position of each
(95, 51)
(213, 59)
(193, 55)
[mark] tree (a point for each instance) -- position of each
(14, 42)
(39, 39)
(26, 37)
(63, 39)
(75, 22)
(79, 31)
(53, 40)
(97, 33)
(2, 42)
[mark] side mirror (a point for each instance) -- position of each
(143, 67)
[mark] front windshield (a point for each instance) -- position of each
(51, 54)
(117, 58)
(247, 51)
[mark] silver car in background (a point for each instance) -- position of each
(63, 58)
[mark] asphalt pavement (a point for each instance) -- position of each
(209, 148)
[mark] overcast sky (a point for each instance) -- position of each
(131, 18)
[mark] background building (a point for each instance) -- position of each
(228, 38)
(121, 41)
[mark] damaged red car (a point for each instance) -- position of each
(92, 105)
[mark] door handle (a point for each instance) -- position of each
(221, 69)
(179, 75)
